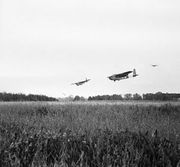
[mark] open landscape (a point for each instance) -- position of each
(89, 83)
(89, 134)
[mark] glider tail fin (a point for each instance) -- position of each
(134, 73)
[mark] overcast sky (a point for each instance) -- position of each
(45, 45)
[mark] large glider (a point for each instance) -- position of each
(124, 75)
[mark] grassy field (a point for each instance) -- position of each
(89, 134)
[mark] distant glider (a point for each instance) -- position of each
(154, 65)
(81, 82)
(124, 75)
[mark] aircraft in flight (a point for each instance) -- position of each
(124, 75)
(81, 82)
(154, 65)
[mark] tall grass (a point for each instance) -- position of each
(89, 134)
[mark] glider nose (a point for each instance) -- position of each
(110, 77)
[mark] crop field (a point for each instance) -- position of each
(89, 134)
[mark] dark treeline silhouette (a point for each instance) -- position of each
(106, 97)
(159, 96)
(79, 98)
(22, 97)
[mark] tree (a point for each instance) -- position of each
(77, 98)
(128, 96)
(137, 97)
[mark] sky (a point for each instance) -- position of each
(45, 45)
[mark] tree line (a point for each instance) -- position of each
(159, 96)
(22, 97)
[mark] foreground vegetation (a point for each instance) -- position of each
(89, 134)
